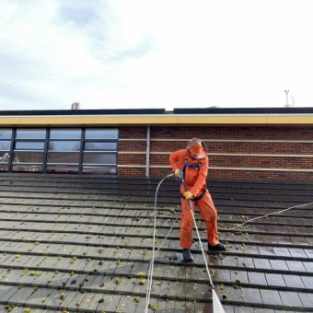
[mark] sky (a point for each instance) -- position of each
(109, 54)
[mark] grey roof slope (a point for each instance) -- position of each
(78, 243)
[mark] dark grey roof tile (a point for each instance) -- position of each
(281, 251)
(296, 252)
(53, 299)
(296, 266)
(308, 281)
(7, 292)
(61, 278)
(238, 277)
(262, 263)
(279, 265)
(23, 296)
(38, 297)
(72, 300)
(256, 278)
(291, 300)
(295, 281)
(267, 310)
(230, 294)
(306, 299)
(110, 303)
(275, 280)
(309, 252)
(251, 296)
(271, 298)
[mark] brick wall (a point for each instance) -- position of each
(251, 153)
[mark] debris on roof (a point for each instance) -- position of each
(84, 243)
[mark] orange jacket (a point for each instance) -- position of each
(195, 179)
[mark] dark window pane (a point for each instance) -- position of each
(28, 157)
(99, 170)
(5, 133)
(3, 168)
(55, 145)
(63, 158)
(4, 156)
(27, 168)
(30, 133)
(5, 145)
(29, 145)
(99, 158)
(65, 133)
(64, 169)
(101, 133)
(100, 146)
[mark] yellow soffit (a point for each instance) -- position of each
(120, 120)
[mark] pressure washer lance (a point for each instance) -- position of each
(217, 306)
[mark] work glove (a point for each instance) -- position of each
(188, 195)
(177, 173)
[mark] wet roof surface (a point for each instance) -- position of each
(78, 243)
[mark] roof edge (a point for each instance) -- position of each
(156, 111)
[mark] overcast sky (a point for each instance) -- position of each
(155, 54)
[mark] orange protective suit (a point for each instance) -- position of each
(195, 180)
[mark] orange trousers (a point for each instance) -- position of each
(209, 215)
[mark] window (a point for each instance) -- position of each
(62, 169)
(99, 158)
(55, 145)
(29, 145)
(65, 133)
(30, 134)
(28, 150)
(4, 159)
(63, 158)
(5, 145)
(103, 133)
(112, 146)
(59, 150)
(27, 168)
(100, 151)
(3, 167)
(64, 151)
(5, 133)
(27, 157)
(99, 170)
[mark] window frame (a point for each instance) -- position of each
(44, 138)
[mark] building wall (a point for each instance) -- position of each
(251, 153)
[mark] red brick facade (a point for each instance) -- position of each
(251, 153)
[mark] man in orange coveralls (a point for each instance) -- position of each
(191, 165)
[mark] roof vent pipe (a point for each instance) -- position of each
(75, 106)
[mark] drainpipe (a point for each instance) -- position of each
(148, 151)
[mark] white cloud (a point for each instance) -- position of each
(163, 54)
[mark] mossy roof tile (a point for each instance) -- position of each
(58, 225)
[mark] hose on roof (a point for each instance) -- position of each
(265, 215)
(151, 265)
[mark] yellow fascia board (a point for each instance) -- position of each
(120, 120)
(87, 120)
(292, 120)
(223, 120)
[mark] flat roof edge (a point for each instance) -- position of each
(156, 111)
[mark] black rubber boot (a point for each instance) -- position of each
(187, 257)
(217, 248)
